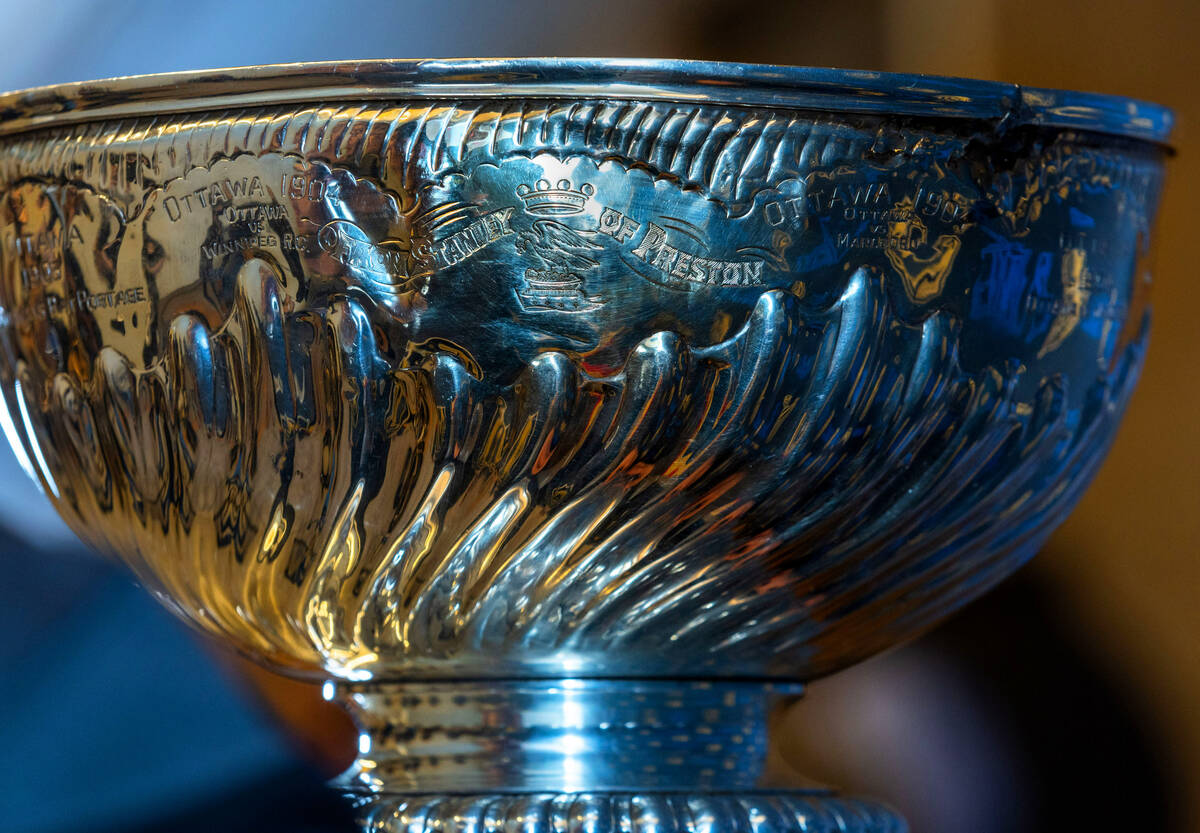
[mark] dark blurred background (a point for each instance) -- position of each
(1069, 699)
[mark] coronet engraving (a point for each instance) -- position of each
(618, 389)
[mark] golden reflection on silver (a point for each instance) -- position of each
(568, 415)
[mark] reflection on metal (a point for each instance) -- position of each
(570, 734)
(582, 378)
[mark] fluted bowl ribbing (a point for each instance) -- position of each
(546, 368)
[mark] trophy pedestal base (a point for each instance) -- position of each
(583, 756)
(646, 812)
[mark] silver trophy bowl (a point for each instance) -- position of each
(566, 416)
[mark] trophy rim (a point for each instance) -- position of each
(705, 82)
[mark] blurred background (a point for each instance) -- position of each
(1069, 699)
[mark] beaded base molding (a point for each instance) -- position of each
(570, 380)
(629, 813)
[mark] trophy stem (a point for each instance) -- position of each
(582, 755)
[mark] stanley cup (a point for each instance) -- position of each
(566, 416)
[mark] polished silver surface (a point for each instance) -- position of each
(750, 85)
(791, 812)
(568, 735)
(528, 371)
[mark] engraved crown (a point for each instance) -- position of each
(561, 199)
